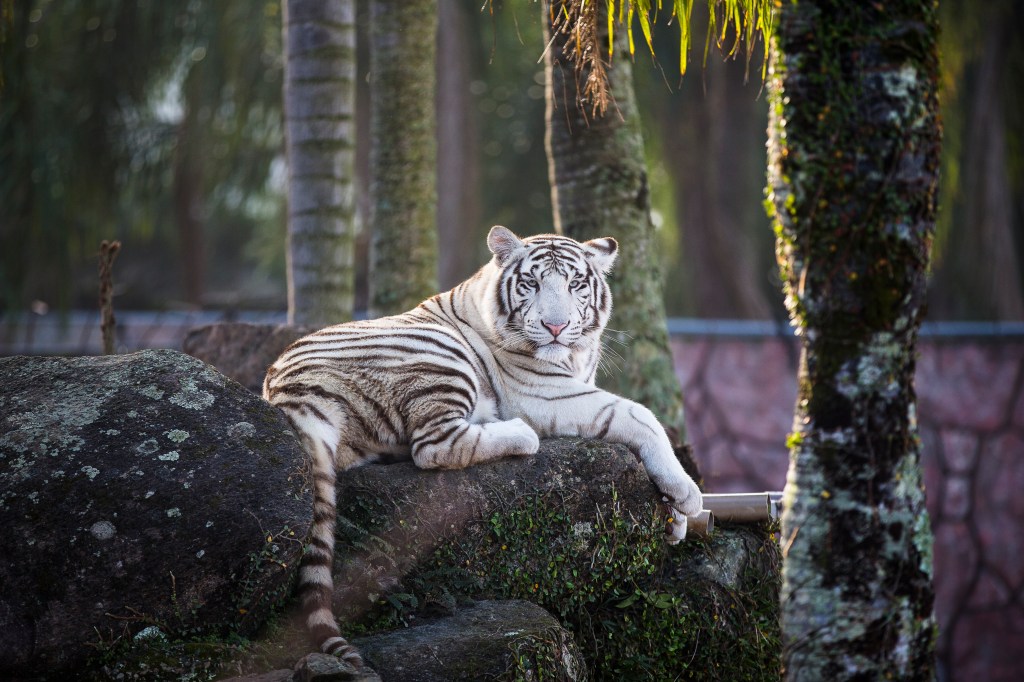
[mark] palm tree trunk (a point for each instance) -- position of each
(853, 166)
(403, 262)
(319, 103)
(599, 188)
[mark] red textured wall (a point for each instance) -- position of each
(739, 398)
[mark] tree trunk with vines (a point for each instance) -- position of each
(853, 165)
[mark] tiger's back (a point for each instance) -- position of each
(471, 375)
(381, 384)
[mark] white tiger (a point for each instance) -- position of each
(478, 373)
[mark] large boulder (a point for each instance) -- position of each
(240, 350)
(142, 496)
(576, 529)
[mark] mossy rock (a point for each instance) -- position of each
(576, 529)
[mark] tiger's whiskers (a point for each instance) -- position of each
(610, 359)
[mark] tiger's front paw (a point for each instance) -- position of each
(684, 496)
(519, 438)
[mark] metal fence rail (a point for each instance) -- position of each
(77, 332)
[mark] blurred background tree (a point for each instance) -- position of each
(980, 243)
(160, 124)
(320, 125)
(403, 155)
(599, 187)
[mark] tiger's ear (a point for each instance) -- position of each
(602, 253)
(503, 243)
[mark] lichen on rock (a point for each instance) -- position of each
(109, 494)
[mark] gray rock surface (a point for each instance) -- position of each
(327, 668)
(272, 676)
(488, 640)
(138, 490)
(575, 529)
(240, 350)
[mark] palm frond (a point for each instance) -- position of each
(749, 21)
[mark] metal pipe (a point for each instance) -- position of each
(739, 507)
(733, 508)
(700, 525)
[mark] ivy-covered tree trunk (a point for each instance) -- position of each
(854, 143)
(319, 107)
(599, 189)
(403, 264)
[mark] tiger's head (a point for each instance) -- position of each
(551, 297)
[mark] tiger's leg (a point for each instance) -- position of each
(316, 582)
(594, 413)
(453, 442)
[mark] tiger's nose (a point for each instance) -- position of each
(555, 329)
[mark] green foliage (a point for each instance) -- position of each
(177, 114)
(164, 649)
(534, 656)
(748, 20)
(535, 552)
(152, 656)
(251, 599)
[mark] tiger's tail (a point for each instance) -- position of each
(316, 582)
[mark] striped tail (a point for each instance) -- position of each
(316, 583)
